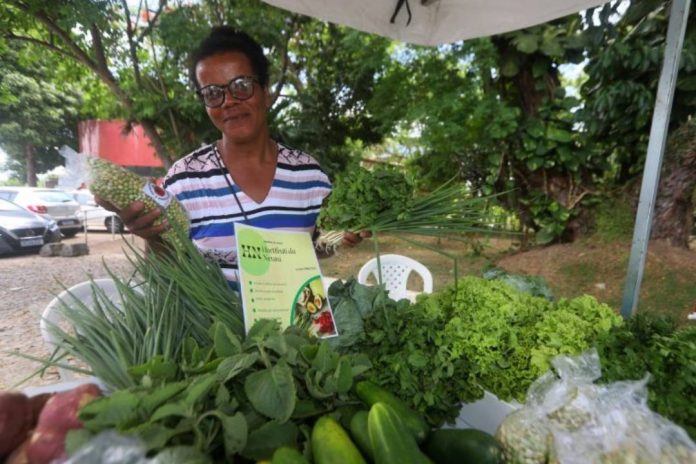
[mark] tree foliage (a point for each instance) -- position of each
(38, 112)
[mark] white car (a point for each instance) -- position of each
(93, 215)
(57, 204)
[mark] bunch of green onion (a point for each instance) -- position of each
(171, 298)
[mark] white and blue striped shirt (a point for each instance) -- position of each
(298, 190)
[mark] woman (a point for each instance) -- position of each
(246, 175)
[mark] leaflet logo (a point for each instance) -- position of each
(253, 252)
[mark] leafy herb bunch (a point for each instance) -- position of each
(249, 396)
(451, 345)
(359, 196)
(655, 345)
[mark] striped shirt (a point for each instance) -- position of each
(198, 181)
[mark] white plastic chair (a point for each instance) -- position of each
(395, 272)
(52, 314)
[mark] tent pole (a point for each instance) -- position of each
(656, 147)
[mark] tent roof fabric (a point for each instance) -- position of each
(435, 22)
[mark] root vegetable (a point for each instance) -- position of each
(19, 455)
(15, 420)
(58, 416)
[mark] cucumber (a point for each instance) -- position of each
(331, 444)
(287, 455)
(414, 422)
(390, 440)
(462, 446)
(358, 431)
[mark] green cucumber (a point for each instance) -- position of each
(391, 441)
(287, 455)
(331, 444)
(358, 431)
(414, 422)
(461, 446)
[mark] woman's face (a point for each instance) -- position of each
(239, 120)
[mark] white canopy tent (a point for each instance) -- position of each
(435, 22)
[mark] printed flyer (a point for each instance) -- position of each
(280, 279)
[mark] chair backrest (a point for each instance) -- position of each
(395, 272)
(52, 314)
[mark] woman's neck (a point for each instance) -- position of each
(258, 151)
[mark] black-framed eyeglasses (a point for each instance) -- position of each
(241, 88)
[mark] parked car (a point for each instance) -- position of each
(22, 230)
(93, 215)
(57, 204)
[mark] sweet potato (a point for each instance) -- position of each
(59, 415)
(36, 403)
(15, 421)
(19, 455)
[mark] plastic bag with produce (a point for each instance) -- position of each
(568, 419)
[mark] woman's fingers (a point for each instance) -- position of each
(136, 220)
(351, 239)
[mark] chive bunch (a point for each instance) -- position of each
(171, 298)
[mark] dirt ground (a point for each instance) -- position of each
(28, 283)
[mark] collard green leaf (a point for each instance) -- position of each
(222, 400)
(316, 390)
(157, 369)
(226, 342)
(309, 352)
(263, 441)
(360, 363)
(326, 359)
(198, 389)
(179, 409)
(154, 436)
(261, 330)
(234, 433)
(119, 410)
(306, 408)
(181, 455)
(343, 375)
(272, 392)
(230, 367)
(277, 343)
(349, 322)
(157, 396)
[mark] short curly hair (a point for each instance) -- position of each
(223, 39)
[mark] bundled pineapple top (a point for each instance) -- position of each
(293, 202)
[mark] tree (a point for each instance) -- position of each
(493, 112)
(625, 58)
(98, 34)
(37, 115)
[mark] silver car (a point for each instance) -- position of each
(57, 204)
(93, 215)
(21, 230)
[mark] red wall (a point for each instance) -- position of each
(107, 140)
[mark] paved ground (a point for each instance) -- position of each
(28, 283)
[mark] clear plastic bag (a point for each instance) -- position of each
(570, 420)
(110, 448)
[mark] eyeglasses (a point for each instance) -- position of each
(241, 88)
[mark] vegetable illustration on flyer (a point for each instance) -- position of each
(280, 279)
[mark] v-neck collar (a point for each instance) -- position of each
(228, 175)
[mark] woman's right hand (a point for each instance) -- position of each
(136, 220)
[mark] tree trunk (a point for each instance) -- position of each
(30, 164)
(674, 209)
